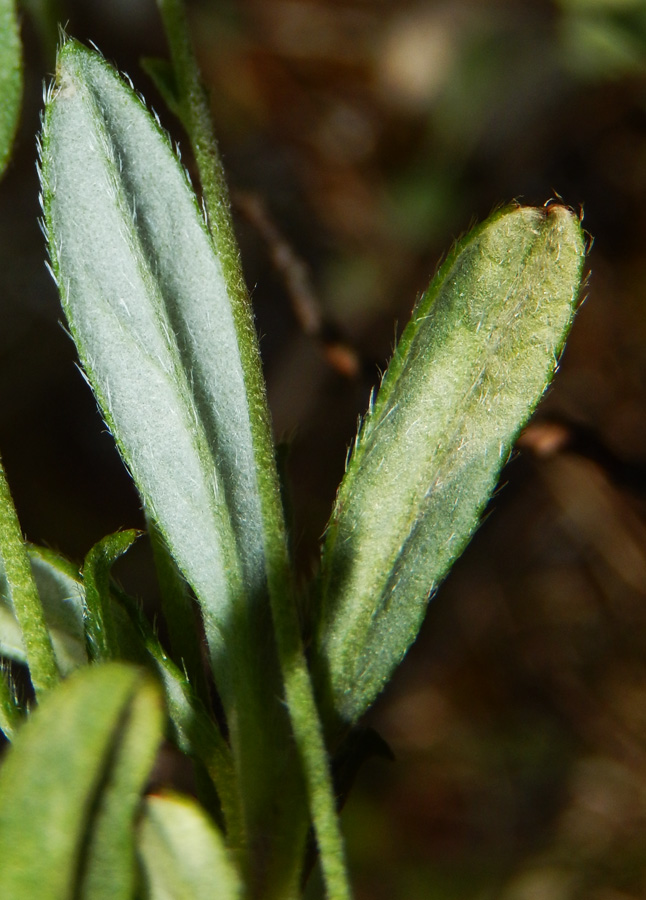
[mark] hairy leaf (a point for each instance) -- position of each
(481, 347)
(149, 309)
(147, 304)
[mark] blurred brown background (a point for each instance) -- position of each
(361, 137)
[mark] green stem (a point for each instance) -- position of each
(24, 596)
(196, 117)
(195, 114)
(310, 742)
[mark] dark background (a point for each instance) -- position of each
(365, 137)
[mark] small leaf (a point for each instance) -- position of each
(182, 853)
(101, 629)
(61, 594)
(481, 347)
(10, 78)
(70, 783)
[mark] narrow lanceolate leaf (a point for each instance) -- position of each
(182, 853)
(148, 307)
(24, 597)
(70, 784)
(10, 78)
(471, 366)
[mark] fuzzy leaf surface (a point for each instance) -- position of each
(70, 784)
(10, 78)
(183, 855)
(147, 304)
(478, 353)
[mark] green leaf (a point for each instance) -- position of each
(101, 628)
(191, 727)
(182, 853)
(10, 78)
(481, 347)
(70, 785)
(23, 596)
(62, 597)
(109, 867)
(148, 306)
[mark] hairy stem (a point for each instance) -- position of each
(196, 117)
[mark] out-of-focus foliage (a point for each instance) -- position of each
(604, 38)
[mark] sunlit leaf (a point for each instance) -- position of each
(147, 303)
(150, 311)
(481, 347)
